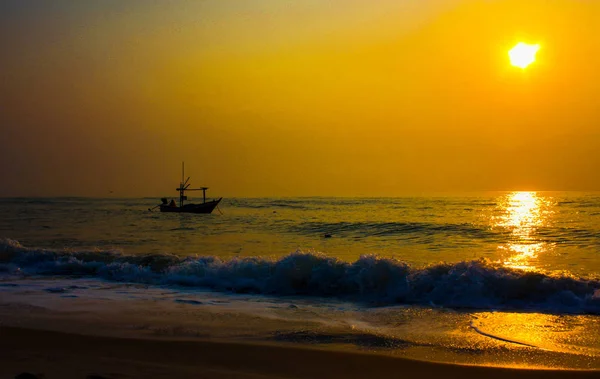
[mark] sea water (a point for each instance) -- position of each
(490, 278)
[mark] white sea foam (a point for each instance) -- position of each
(477, 284)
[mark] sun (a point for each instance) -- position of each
(523, 54)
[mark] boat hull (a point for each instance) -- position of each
(205, 208)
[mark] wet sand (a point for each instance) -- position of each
(49, 354)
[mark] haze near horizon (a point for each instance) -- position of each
(271, 98)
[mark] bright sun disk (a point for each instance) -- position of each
(523, 54)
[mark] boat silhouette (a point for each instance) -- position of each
(204, 207)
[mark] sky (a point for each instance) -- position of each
(297, 98)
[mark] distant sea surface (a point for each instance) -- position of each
(527, 230)
(521, 253)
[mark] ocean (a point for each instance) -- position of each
(504, 278)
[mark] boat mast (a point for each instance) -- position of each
(181, 186)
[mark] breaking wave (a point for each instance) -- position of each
(477, 284)
(380, 229)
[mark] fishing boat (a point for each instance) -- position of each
(204, 207)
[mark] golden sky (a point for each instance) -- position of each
(312, 97)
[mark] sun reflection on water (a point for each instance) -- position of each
(574, 334)
(523, 213)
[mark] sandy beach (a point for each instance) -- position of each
(63, 355)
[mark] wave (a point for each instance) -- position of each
(306, 203)
(477, 284)
(262, 203)
(381, 229)
(423, 232)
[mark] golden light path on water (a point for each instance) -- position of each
(523, 216)
(524, 213)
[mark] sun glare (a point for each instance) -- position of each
(523, 54)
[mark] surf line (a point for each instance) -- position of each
(504, 339)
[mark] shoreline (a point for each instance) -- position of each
(68, 355)
(155, 315)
